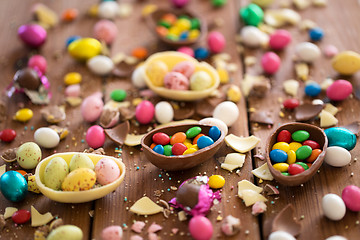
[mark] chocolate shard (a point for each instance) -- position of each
(285, 221)
(271, 190)
(188, 194)
(183, 110)
(261, 117)
(306, 112)
(353, 127)
(118, 133)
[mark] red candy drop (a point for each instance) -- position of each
(178, 148)
(312, 144)
(284, 136)
(291, 103)
(7, 135)
(295, 169)
(21, 216)
(161, 138)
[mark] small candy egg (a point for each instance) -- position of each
(316, 34)
(201, 53)
(105, 30)
(226, 111)
(295, 146)
(187, 68)
(292, 157)
(339, 90)
(312, 89)
(84, 48)
(7, 135)
(214, 133)
(314, 155)
(164, 112)
(303, 152)
(291, 103)
(159, 149)
(140, 52)
(66, 232)
(284, 136)
(279, 39)
(216, 181)
(282, 146)
(80, 160)
(312, 144)
(178, 148)
(346, 62)
(108, 9)
(278, 156)
(137, 77)
(200, 228)
(200, 80)
(156, 72)
(91, 108)
(112, 233)
(71, 39)
(295, 169)
(307, 51)
(72, 78)
(95, 136)
(55, 172)
(336, 237)
(270, 62)
(215, 122)
(118, 95)
(337, 156)
(176, 81)
(351, 197)
(80, 179)
(333, 207)
(107, 171)
(178, 137)
(27, 78)
(187, 50)
(33, 35)
(330, 51)
(216, 42)
(300, 135)
(70, 14)
(28, 155)
(23, 115)
(167, 150)
(144, 112)
(21, 216)
(161, 138)
(193, 132)
(179, 3)
(218, 3)
(73, 90)
(281, 235)
(100, 65)
(341, 137)
(252, 36)
(204, 141)
(38, 62)
(252, 14)
(282, 167)
(46, 137)
(13, 186)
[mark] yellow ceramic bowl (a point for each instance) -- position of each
(81, 196)
(171, 58)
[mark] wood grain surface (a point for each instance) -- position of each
(341, 23)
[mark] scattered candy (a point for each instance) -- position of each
(307, 51)
(270, 62)
(108, 9)
(112, 233)
(281, 235)
(66, 232)
(13, 186)
(316, 34)
(227, 112)
(351, 196)
(200, 228)
(7, 135)
(337, 156)
(69, 14)
(338, 136)
(92, 107)
(216, 42)
(21, 216)
(333, 207)
(253, 37)
(346, 63)
(84, 48)
(339, 90)
(312, 89)
(279, 39)
(33, 35)
(252, 14)
(38, 62)
(46, 137)
(145, 112)
(100, 65)
(216, 181)
(230, 225)
(23, 115)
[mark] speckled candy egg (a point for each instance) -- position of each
(112, 233)
(91, 108)
(69, 232)
(95, 136)
(226, 111)
(33, 35)
(164, 112)
(13, 186)
(200, 228)
(81, 160)
(46, 137)
(144, 112)
(55, 172)
(100, 65)
(107, 171)
(80, 179)
(105, 30)
(187, 68)
(28, 155)
(176, 81)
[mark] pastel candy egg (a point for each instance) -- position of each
(107, 171)
(307, 51)
(95, 136)
(252, 36)
(281, 235)
(84, 48)
(187, 68)
(80, 160)
(156, 71)
(346, 63)
(91, 108)
(80, 179)
(226, 111)
(100, 65)
(73, 90)
(333, 207)
(144, 112)
(200, 228)
(279, 39)
(13, 186)
(339, 90)
(342, 137)
(204, 142)
(112, 233)
(270, 62)
(278, 156)
(216, 42)
(55, 172)
(337, 156)
(28, 155)
(38, 62)
(176, 81)
(137, 77)
(351, 197)
(105, 30)
(108, 9)
(33, 35)
(164, 112)
(215, 122)
(187, 50)
(46, 137)
(66, 232)
(200, 80)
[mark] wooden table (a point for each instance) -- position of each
(341, 23)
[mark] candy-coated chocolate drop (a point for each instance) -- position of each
(216, 181)
(200, 228)
(161, 138)
(339, 90)
(21, 216)
(312, 89)
(333, 207)
(7, 135)
(216, 42)
(312, 144)
(316, 34)
(23, 115)
(178, 137)
(351, 197)
(282, 167)
(197, 138)
(193, 132)
(270, 62)
(278, 156)
(38, 62)
(291, 103)
(72, 78)
(300, 135)
(314, 155)
(284, 136)
(279, 39)
(291, 157)
(303, 152)
(84, 48)
(159, 149)
(337, 156)
(167, 150)
(252, 14)
(295, 169)
(204, 141)
(295, 146)
(145, 112)
(302, 164)
(95, 136)
(118, 95)
(33, 35)
(214, 133)
(282, 146)
(178, 148)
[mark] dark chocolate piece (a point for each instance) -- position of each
(184, 110)
(118, 133)
(353, 127)
(306, 112)
(261, 117)
(27, 78)
(285, 221)
(188, 195)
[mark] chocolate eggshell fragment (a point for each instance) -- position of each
(27, 78)
(188, 195)
(307, 112)
(184, 110)
(53, 114)
(261, 117)
(353, 127)
(285, 221)
(118, 133)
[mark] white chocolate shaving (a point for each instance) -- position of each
(291, 87)
(331, 109)
(246, 185)
(9, 211)
(250, 197)
(133, 140)
(233, 161)
(145, 206)
(327, 119)
(241, 144)
(38, 219)
(2, 169)
(263, 172)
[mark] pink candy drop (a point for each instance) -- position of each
(145, 112)
(280, 39)
(38, 62)
(339, 90)
(201, 228)
(216, 42)
(351, 197)
(270, 62)
(95, 136)
(33, 35)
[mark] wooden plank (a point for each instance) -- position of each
(339, 20)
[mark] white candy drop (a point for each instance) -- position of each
(100, 65)
(164, 112)
(333, 207)
(46, 137)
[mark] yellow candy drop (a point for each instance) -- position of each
(347, 62)
(183, 24)
(282, 167)
(84, 48)
(282, 146)
(291, 157)
(233, 93)
(23, 115)
(72, 78)
(216, 181)
(189, 151)
(294, 146)
(223, 75)
(194, 34)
